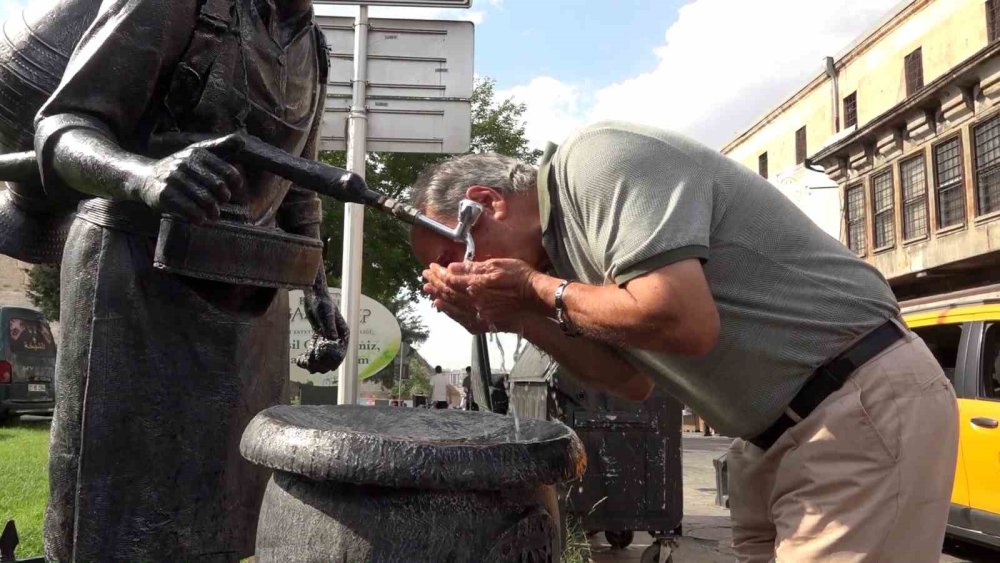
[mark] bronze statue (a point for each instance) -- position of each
(174, 273)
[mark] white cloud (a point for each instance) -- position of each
(722, 65)
(10, 7)
(475, 16)
(553, 108)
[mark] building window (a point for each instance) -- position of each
(883, 210)
(851, 110)
(987, 144)
(800, 145)
(992, 19)
(913, 68)
(762, 165)
(913, 181)
(949, 188)
(855, 209)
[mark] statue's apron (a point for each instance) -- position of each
(159, 373)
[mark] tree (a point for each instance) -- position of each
(43, 290)
(419, 382)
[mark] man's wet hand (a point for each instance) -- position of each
(495, 293)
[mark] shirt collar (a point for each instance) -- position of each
(544, 198)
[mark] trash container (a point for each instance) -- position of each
(633, 479)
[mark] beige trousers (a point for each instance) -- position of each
(867, 476)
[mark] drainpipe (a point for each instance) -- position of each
(831, 71)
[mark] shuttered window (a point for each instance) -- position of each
(913, 183)
(949, 183)
(855, 210)
(851, 110)
(883, 210)
(987, 162)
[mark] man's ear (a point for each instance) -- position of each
(491, 199)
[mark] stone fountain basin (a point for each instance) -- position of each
(412, 448)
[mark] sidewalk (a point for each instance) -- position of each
(707, 530)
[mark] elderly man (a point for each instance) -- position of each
(637, 257)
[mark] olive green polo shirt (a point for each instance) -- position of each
(620, 200)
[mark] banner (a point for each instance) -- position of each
(378, 341)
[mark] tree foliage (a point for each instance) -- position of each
(43, 290)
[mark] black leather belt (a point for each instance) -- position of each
(828, 378)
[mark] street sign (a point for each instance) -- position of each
(419, 84)
(402, 125)
(404, 3)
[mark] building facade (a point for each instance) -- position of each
(13, 279)
(905, 124)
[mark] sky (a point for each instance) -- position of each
(705, 68)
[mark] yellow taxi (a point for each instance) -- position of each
(963, 332)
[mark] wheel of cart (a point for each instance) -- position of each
(662, 548)
(619, 540)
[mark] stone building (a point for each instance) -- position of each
(13, 276)
(905, 124)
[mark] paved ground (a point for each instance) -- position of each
(707, 531)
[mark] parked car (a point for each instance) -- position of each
(963, 332)
(27, 363)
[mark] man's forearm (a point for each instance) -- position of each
(674, 320)
(594, 363)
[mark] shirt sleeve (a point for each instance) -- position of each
(642, 203)
(114, 79)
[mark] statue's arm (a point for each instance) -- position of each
(191, 183)
(109, 95)
(301, 213)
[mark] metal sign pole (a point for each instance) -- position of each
(354, 218)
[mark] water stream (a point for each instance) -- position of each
(470, 256)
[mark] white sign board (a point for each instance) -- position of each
(378, 339)
(408, 3)
(420, 75)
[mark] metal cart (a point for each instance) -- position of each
(633, 480)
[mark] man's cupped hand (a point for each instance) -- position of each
(495, 294)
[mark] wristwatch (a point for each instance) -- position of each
(562, 316)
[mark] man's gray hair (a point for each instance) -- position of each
(441, 187)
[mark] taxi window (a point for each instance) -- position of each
(990, 382)
(943, 343)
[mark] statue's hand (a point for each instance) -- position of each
(193, 182)
(352, 187)
(322, 355)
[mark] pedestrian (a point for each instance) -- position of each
(469, 403)
(634, 255)
(439, 389)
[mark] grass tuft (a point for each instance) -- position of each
(24, 481)
(577, 548)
